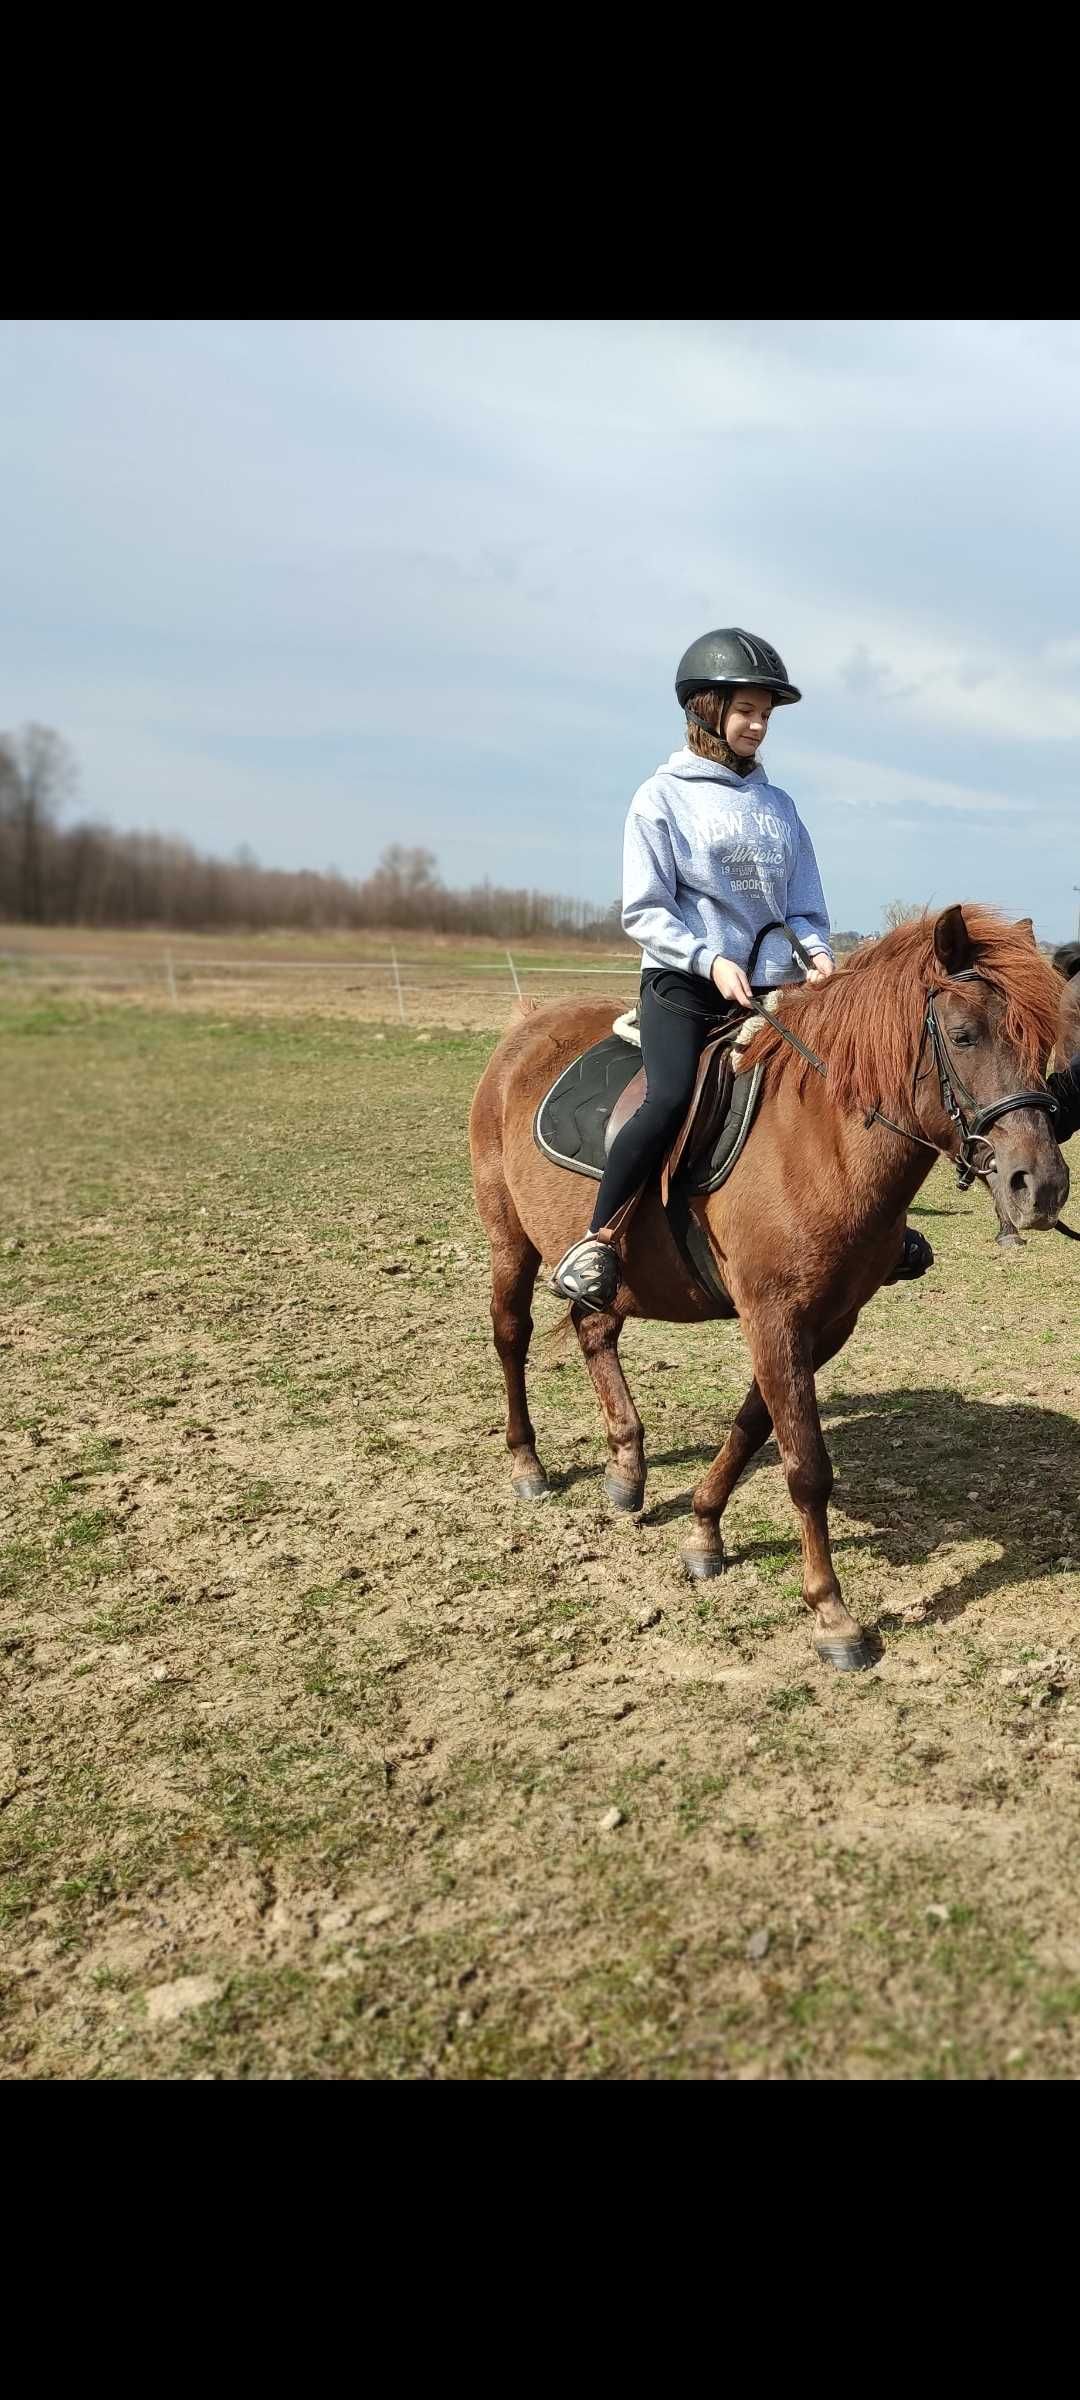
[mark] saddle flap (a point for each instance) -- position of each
(708, 1109)
(626, 1106)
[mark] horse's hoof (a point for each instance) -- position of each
(700, 1564)
(627, 1498)
(845, 1654)
(531, 1487)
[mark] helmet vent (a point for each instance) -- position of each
(759, 654)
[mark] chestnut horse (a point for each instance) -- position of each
(916, 1044)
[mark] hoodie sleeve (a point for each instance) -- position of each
(650, 911)
(807, 914)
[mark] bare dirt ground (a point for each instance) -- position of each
(322, 1757)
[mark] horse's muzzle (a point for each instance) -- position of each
(1034, 1196)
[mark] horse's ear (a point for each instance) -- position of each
(953, 946)
(1026, 925)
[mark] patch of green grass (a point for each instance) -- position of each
(692, 1807)
(100, 1455)
(86, 1528)
(17, 1896)
(97, 1884)
(1061, 2004)
(126, 1619)
(110, 1979)
(254, 1502)
(41, 1018)
(791, 1696)
(825, 2002)
(23, 1567)
(317, 1598)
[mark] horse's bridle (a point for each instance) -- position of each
(955, 1095)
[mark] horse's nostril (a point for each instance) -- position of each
(1019, 1181)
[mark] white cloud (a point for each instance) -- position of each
(860, 783)
(1064, 653)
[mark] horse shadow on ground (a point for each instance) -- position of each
(924, 1471)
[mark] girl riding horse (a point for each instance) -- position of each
(714, 858)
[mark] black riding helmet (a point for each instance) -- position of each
(719, 661)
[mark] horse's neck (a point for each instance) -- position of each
(880, 1171)
(865, 1172)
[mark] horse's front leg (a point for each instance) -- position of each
(703, 1554)
(784, 1359)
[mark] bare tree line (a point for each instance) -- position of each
(90, 874)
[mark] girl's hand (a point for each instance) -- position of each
(822, 968)
(731, 981)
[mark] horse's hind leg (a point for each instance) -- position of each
(514, 1266)
(624, 1481)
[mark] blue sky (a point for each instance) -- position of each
(320, 586)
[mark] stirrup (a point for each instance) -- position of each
(587, 1275)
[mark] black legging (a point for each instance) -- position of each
(676, 1013)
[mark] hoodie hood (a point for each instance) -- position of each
(689, 767)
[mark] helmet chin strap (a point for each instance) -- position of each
(742, 766)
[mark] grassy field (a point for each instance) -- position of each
(308, 1729)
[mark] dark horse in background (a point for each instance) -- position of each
(934, 1041)
(1066, 961)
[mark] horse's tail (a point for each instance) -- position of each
(555, 1337)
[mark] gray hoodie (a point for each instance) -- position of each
(709, 857)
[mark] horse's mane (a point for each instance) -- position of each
(866, 1022)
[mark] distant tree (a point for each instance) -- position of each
(901, 912)
(38, 774)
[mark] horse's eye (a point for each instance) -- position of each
(966, 1038)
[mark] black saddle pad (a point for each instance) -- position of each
(571, 1120)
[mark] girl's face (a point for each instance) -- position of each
(747, 719)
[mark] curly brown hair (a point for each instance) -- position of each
(711, 706)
